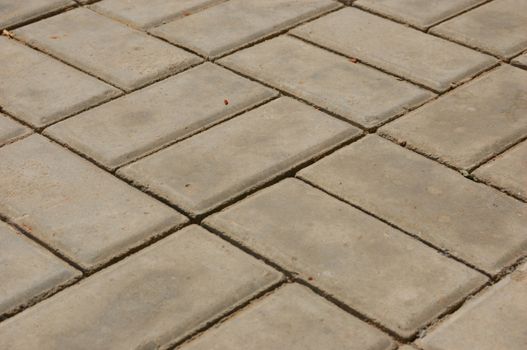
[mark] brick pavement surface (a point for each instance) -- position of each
(279, 174)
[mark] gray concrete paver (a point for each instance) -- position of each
(16, 12)
(476, 223)
(108, 49)
(40, 90)
(373, 268)
(75, 207)
(146, 301)
(352, 90)
(128, 127)
(10, 130)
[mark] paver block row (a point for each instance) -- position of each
(40, 90)
(419, 13)
(202, 172)
(78, 209)
(474, 222)
(16, 12)
(354, 91)
(373, 268)
(419, 57)
(145, 120)
(497, 27)
(292, 318)
(232, 24)
(112, 51)
(472, 123)
(28, 270)
(521, 61)
(148, 300)
(495, 319)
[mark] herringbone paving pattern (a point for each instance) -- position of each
(276, 174)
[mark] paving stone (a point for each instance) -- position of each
(75, 207)
(470, 124)
(41, 90)
(493, 320)
(406, 347)
(10, 130)
(28, 270)
(112, 51)
(419, 13)
(146, 301)
(133, 125)
(395, 279)
(200, 173)
(508, 171)
(352, 90)
(223, 28)
(521, 61)
(292, 318)
(16, 12)
(419, 57)
(497, 27)
(146, 13)
(474, 222)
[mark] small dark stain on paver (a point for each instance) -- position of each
(187, 185)
(310, 278)
(353, 60)
(225, 102)
(54, 37)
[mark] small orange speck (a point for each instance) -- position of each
(353, 60)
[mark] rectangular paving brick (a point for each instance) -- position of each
(419, 13)
(146, 301)
(28, 270)
(395, 48)
(146, 13)
(497, 27)
(521, 61)
(354, 91)
(474, 222)
(494, 320)
(470, 124)
(10, 130)
(508, 171)
(200, 173)
(108, 49)
(133, 125)
(370, 266)
(16, 12)
(232, 24)
(40, 90)
(75, 207)
(292, 318)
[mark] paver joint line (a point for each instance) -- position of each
(26, 116)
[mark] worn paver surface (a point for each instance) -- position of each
(277, 174)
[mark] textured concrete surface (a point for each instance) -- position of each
(10, 130)
(474, 222)
(232, 24)
(105, 48)
(147, 13)
(500, 310)
(278, 174)
(411, 54)
(418, 13)
(16, 12)
(292, 318)
(128, 127)
(40, 90)
(28, 270)
(73, 206)
(497, 27)
(145, 302)
(471, 124)
(202, 172)
(508, 171)
(357, 92)
(363, 262)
